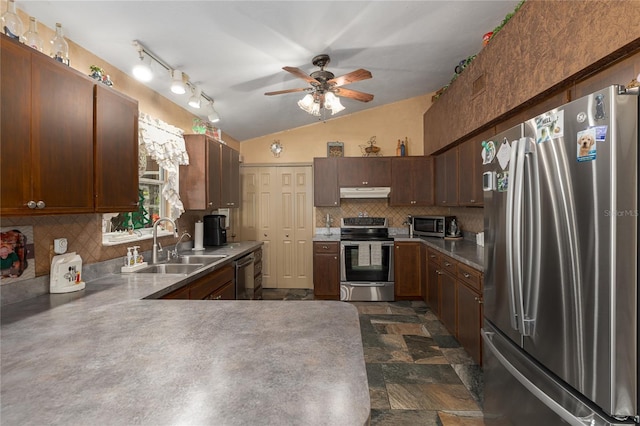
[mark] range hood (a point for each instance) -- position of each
(378, 192)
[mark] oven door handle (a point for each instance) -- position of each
(366, 284)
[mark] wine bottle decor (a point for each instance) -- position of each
(31, 37)
(11, 22)
(59, 46)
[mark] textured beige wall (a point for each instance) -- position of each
(387, 123)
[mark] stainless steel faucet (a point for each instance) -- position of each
(156, 246)
(174, 252)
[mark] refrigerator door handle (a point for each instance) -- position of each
(531, 277)
(514, 233)
(566, 415)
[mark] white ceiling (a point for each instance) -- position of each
(235, 50)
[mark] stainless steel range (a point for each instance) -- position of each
(366, 260)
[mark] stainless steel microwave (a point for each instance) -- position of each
(431, 226)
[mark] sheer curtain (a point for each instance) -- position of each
(165, 144)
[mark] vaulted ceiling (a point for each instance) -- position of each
(235, 50)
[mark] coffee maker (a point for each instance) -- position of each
(215, 232)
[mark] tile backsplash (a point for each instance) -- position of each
(470, 219)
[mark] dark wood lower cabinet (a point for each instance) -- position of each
(326, 270)
(454, 294)
(408, 270)
(218, 285)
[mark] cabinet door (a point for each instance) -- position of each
(230, 178)
(364, 171)
(432, 296)
(200, 181)
(469, 319)
(205, 287)
(447, 303)
(116, 151)
(61, 137)
(411, 181)
(470, 168)
(446, 184)
(326, 271)
(15, 105)
(408, 270)
(325, 182)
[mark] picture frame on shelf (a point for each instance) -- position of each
(335, 149)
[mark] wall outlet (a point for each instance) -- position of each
(60, 245)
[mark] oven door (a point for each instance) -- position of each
(374, 265)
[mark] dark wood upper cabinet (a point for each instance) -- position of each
(411, 181)
(364, 171)
(325, 182)
(212, 178)
(470, 174)
(229, 177)
(116, 151)
(47, 135)
(446, 165)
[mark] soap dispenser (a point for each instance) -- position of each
(136, 257)
(129, 256)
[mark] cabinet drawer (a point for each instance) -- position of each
(203, 287)
(327, 248)
(449, 265)
(227, 292)
(470, 276)
(434, 256)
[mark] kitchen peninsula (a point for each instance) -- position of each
(109, 355)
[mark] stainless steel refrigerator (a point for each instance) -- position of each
(560, 328)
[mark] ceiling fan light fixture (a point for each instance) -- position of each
(178, 85)
(306, 103)
(332, 102)
(194, 100)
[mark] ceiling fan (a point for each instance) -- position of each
(325, 87)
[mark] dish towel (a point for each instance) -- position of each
(364, 257)
(376, 254)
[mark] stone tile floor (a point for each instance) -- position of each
(418, 373)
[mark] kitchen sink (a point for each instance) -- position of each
(197, 259)
(171, 268)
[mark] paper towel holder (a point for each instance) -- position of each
(198, 236)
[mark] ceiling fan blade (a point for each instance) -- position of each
(300, 74)
(351, 77)
(353, 94)
(280, 92)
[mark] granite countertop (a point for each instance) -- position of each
(108, 355)
(464, 251)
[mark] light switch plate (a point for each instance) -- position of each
(60, 245)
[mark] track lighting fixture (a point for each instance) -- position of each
(213, 114)
(142, 70)
(179, 80)
(194, 101)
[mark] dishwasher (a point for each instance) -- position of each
(244, 278)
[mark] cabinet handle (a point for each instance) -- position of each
(335, 203)
(40, 204)
(432, 256)
(473, 201)
(447, 264)
(438, 272)
(466, 275)
(325, 247)
(477, 299)
(287, 236)
(31, 204)
(210, 203)
(265, 235)
(218, 297)
(335, 257)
